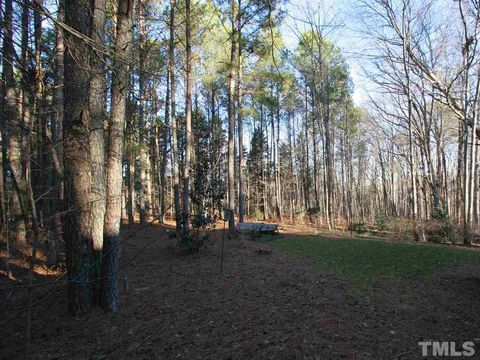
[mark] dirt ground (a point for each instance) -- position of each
(265, 305)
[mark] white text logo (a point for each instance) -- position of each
(447, 348)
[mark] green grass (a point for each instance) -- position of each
(367, 261)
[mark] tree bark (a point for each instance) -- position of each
(231, 117)
(77, 158)
(12, 121)
(57, 133)
(97, 140)
(113, 212)
(241, 160)
(188, 119)
(166, 137)
(142, 171)
(175, 170)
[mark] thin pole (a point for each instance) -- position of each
(223, 242)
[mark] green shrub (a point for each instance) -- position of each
(381, 222)
(440, 214)
(189, 245)
(256, 214)
(313, 211)
(204, 221)
(359, 228)
(440, 230)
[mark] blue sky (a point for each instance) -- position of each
(343, 31)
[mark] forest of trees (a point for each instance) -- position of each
(145, 110)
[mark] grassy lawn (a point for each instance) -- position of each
(367, 261)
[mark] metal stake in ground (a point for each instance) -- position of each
(227, 213)
(223, 242)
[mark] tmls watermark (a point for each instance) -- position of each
(447, 348)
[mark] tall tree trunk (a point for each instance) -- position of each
(473, 155)
(57, 134)
(12, 121)
(130, 168)
(467, 175)
(294, 181)
(44, 157)
(476, 181)
(307, 167)
(188, 119)
(231, 117)
(26, 110)
(142, 171)
(460, 174)
(97, 140)
(77, 158)
(315, 156)
(241, 160)
(278, 185)
(166, 138)
(175, 170)
(411, 157)
(3, 199)
(115, 156)
(263, 169)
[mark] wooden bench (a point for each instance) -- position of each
(257, 229)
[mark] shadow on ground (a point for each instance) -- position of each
(266, 305)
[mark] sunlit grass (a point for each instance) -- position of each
(368, 261)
